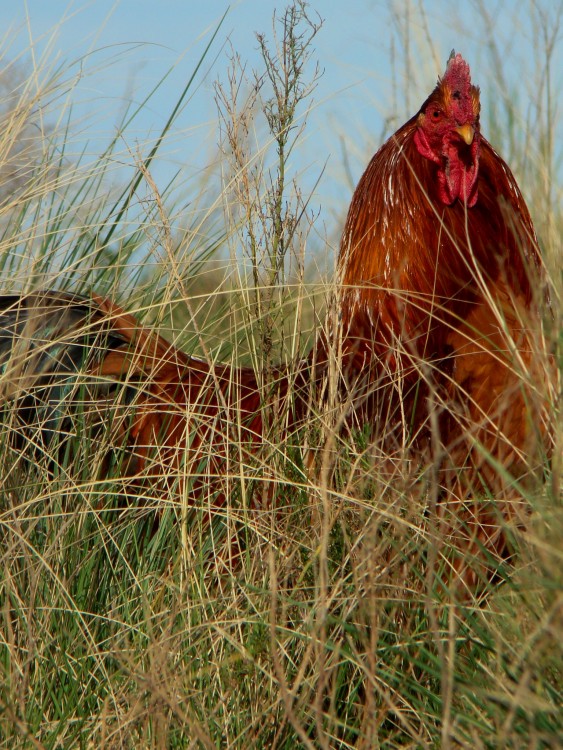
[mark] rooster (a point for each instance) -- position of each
(439, 318)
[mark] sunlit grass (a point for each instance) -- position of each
(310, 609)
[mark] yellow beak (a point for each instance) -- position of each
(467, 132)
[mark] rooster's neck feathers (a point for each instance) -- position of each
(420, 232)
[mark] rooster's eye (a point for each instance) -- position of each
(436, 114)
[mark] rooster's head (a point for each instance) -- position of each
(448, 133)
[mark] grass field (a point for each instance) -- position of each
(127, 619)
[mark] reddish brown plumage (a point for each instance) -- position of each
(188, 416)
(173, 425)
(405, 252)
(442, 288)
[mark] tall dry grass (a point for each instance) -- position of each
(330, 629)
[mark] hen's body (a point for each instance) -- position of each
(152, 415)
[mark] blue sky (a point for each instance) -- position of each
(128, 45)
(118, 50)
